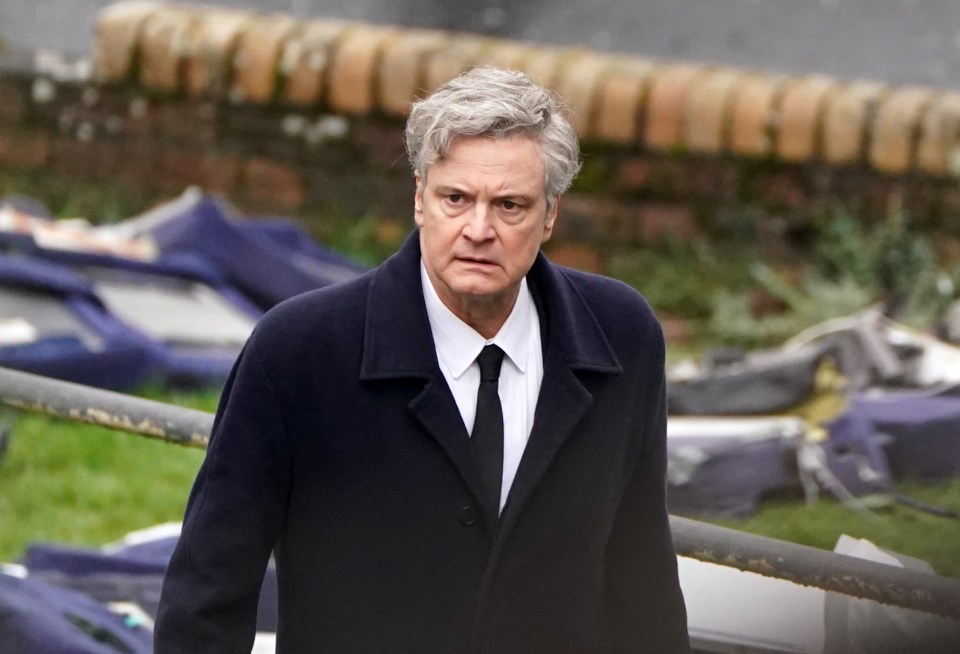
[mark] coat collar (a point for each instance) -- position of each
(398, 344)
(397, 340)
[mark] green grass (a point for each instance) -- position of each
(80, 484)
(892, 526)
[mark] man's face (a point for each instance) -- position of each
(483, 215)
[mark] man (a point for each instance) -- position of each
(413, 503)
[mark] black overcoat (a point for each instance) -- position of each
(339, 447)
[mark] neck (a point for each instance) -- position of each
(487, 315)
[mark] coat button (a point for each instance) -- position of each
(467, 515)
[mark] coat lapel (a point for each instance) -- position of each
(573, 342)
(398, 344)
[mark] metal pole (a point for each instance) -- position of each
(95, 406)
(799, 564)
(810, 566)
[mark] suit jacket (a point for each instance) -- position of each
(338, 446)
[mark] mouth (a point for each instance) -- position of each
(476, 261)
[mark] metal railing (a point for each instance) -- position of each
(799, 564)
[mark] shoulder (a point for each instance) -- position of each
(619, 311)
(613, 302)
(602, 287)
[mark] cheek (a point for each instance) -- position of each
(520, 253)
(440, 235)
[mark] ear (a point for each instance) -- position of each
(418, 200)
(549, 221)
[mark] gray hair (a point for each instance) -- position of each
(497, 103)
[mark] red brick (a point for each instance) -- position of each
(846, 121)
(305, 60)
(354, 69)
(707, 111)
(94, 160)
(875, 194)
(710, 178)
(139, 165)
(382, 145)
(754, 102)
(920, 197)
(116, 35)
(111, 101)
(256, 62)
(614, 228)
(612, 219)
(13, 102)
(177, 170)
(800, 117)
(577, 84)
(634, 174)
(662, 222)
(627, 229)
(669, 87)
(274, 185)
(897, 123)
(162, 50)
(23, 150)
(576, 255)
(668, 176)
(938, 152)
(950, 212)
(403, 69)
(575, 211)
(209, 61)
(184, 121)
(784, 190)
(137, 118)
(583, 218)
(621, 97)
(219, 172)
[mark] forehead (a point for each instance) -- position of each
(515, 160)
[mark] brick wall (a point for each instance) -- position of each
(305, 118)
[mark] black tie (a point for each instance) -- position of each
(487, 437)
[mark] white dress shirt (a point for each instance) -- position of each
(458, 346)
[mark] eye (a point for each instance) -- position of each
(509, 205)
(455, 198)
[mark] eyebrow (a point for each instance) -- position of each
(446, 190)
(516, 197)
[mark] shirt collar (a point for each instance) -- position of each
(458, 344)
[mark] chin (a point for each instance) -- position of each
(475, 291)
(474, 284)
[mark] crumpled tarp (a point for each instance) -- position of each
(170, 295)
(39, 617)
(878, 402)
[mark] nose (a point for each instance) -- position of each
(479, 225)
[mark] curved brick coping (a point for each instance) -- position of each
(360, 68)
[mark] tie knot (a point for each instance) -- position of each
(489, 360)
